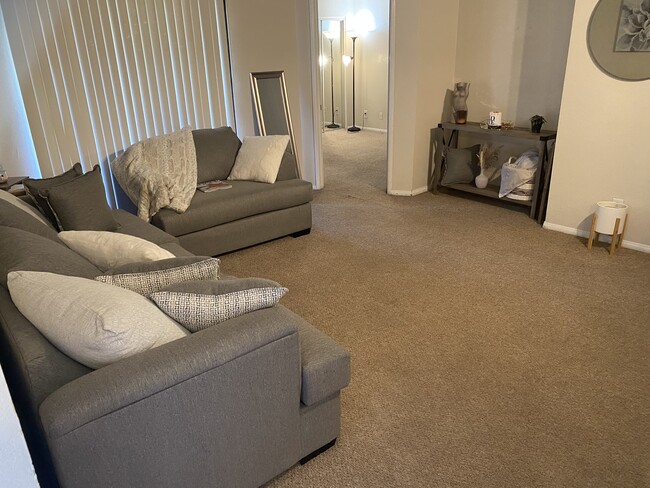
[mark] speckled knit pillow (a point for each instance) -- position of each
(147, 282)
(198, 305)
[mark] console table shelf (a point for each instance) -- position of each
(490, 191)
(446, 136)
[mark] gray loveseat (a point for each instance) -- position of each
(230, 406)
(249, 213)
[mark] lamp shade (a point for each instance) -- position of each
(364, 21)
(607, 213)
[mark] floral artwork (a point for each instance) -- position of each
(634, 26)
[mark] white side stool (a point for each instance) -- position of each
(607, 220)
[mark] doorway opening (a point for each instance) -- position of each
(353, 68)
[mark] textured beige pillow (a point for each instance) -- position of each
(93, 323)
(110, 249)
(259, 158)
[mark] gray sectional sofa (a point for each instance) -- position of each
(249, 213)
(233, 405)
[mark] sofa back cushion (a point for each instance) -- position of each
(25, 207)
(13, 216)
(216, 150)
(288, 168)
(24, 251)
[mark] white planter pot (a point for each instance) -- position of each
(607, 213)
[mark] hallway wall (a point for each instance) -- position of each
(515, 57)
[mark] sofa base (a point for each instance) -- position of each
(317, 452)
(301, 233)
(248, 231)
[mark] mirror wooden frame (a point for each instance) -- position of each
(259, 112)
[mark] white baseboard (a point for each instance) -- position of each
(372, 129)
(605, 238)
(405, 193)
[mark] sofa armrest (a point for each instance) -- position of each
(133, 379)
(217, 408)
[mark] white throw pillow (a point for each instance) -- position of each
(259, 158)
(94, 323)
(110, 249)
(25, 207)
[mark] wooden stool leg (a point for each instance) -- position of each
(614, 237)
(592, 233)
(620, 240)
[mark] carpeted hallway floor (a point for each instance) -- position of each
(486, 351)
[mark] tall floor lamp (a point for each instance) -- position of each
(354, 127)
(330, 36)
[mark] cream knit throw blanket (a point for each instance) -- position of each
(159, 172)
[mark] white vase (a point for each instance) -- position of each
(481, 180)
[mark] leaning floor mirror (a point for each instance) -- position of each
(272, 106)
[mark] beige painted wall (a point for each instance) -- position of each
(602, 143)
(425, 58)
(371, 63)
(18, 154)
(513, 52)
(271, 36)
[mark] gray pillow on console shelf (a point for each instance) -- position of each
(461, 165)
(80, 204)
(24, 251)
(197, 305)
(33, 188)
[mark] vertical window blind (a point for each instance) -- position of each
(99, 75)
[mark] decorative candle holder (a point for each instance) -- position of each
(461, 92)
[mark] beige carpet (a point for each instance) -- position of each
(486, 351)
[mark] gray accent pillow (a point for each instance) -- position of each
(80, 204)
(33, 188)
(147, 282)
(461, 165)
(21, 250)
(197, 305)
(93, 323)
(288, 167)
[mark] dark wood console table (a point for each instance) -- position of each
(446, 135)
(13, 180)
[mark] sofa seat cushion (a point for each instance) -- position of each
(244, 199)
(325, 365)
